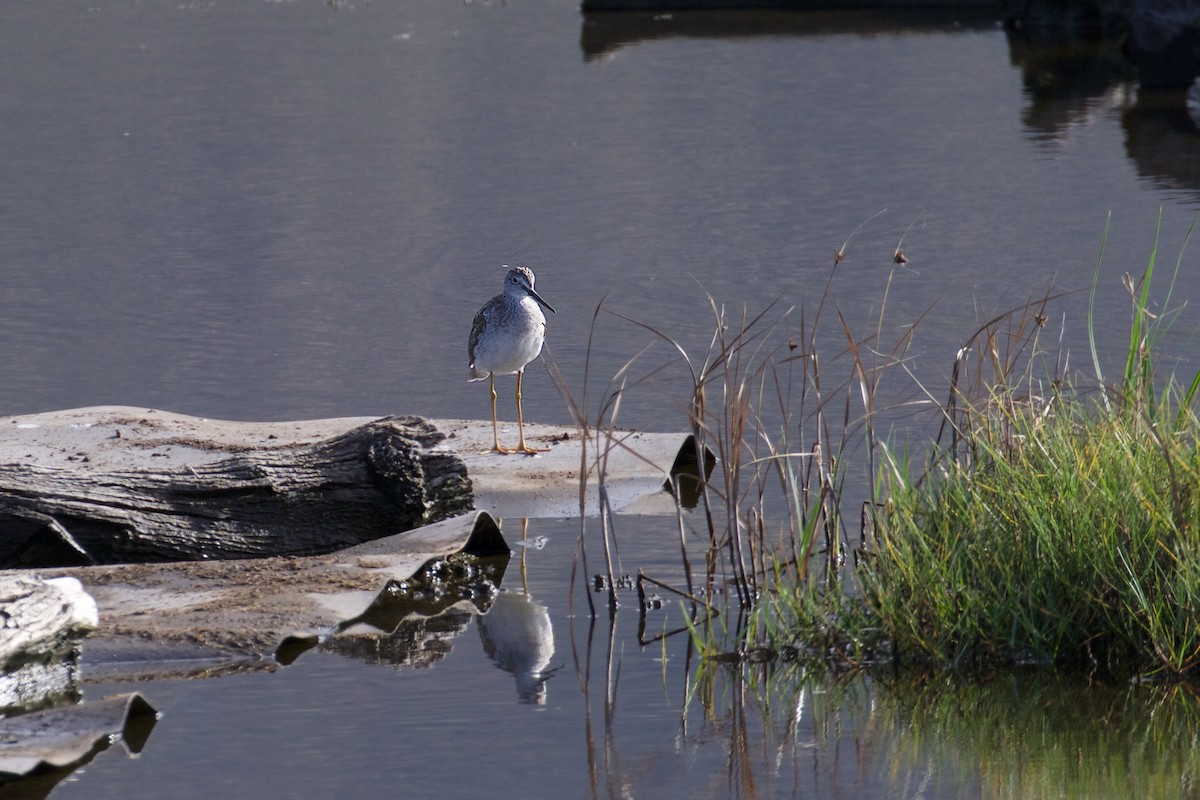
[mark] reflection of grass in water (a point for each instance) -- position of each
(782, 727)
(1016, 735)
(1036, 735)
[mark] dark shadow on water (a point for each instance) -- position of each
(603, 34)
(687, 474)
(1160, 39)
(1068, 79)
(1073, 80)
(1163, 141)
(1075, 60)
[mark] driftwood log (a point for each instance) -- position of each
(115, 484)
(41, 624)
(41, 620)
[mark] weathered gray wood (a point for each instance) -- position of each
(41, 623)
(114, 484)
(40, 620)
(118, 485)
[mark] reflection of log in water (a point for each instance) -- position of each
(417, 641)
(413, 623)
(518, 636)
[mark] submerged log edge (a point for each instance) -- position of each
(203, 618)
(53, 742)
(116, 485)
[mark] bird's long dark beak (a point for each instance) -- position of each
(538, 297)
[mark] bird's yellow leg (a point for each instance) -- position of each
(496, 448)
(521, 446)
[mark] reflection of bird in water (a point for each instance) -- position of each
(517, 635)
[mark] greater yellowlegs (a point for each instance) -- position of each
(507, 334)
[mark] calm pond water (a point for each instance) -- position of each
(272, 210)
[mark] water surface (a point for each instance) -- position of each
(261, 210)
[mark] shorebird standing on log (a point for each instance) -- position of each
(507, 334)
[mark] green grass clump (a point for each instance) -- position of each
(1058, 530)
(1071, 539)
(1045, 524)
